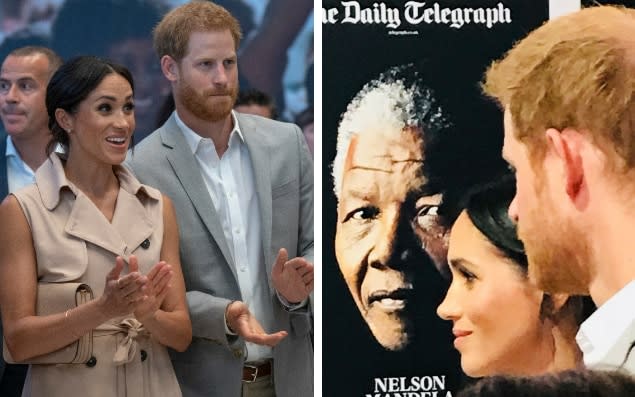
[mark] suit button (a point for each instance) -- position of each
(144, 355)
(145, 244)
(237, 353)
(91, 362)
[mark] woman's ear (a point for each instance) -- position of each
(64, 120)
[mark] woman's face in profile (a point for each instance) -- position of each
(494, 309)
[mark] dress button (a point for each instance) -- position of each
(144, 355)
(145, 244)
(92, 361)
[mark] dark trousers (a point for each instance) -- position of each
(13, 380)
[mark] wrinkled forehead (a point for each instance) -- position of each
(384, 147)
(387, 160)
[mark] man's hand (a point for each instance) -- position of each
(242, 322)
(292, 279)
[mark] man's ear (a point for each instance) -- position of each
(169, 68)
(566, 145)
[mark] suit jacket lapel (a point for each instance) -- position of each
(86, 223)
(260, 152)
(129, 227)
(186, 169)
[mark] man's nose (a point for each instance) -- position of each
(220, 75)
(390, 249)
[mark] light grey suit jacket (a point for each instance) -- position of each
(283, 171)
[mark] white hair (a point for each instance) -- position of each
(388, 101)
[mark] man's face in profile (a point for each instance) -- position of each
(555, 245)
(387, 232)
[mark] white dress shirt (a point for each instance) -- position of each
(19, 174)
(231, 185)
(607, 335)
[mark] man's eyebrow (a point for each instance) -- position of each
(362, 194)
(20, 79)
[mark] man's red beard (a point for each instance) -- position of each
(558, 253)
(201, 106)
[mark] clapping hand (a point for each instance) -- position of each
(154, 290)
(242, 322)
(293, 279)
(123, 294)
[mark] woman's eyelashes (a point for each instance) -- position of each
(467, 275)
(458, 269)
(107, 108)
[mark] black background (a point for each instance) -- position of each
(454, 61)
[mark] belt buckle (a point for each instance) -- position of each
(255, 374)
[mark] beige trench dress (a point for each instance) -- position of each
(74, 242)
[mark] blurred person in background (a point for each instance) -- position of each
(24, 76)
(256, 102)
(120, 30)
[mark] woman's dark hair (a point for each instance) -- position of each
(487, 207)
(71, 84)
(570, 383)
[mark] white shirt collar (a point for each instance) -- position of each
(11, 151)
(193, 139)
(605, 336)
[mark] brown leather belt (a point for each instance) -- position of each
(254, 371)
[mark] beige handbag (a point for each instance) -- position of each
(57, 298)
